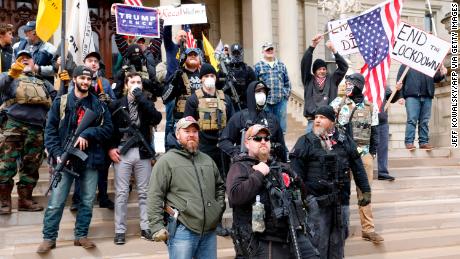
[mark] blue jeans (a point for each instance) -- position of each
(279, 110)
(187, 244)
(169, 106)
(56, 203)
(382, 148)
(418, 111)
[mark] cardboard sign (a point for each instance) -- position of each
(342, 37)
(418, 49)
(137, 21)
(183, 14)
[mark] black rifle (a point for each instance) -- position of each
(69, 149)
(133, 131)
(219, 126)
(230, 78)
(284, 204)
(330, 166)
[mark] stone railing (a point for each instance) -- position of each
(295, 106)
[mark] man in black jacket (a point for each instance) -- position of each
(320, 87)
(324, 159)
(140, 116)
(230, 139)
(255, 178)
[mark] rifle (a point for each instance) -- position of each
(229, 84)
(282, 202)
(69, 149)
(330, 166)
(219, 126)
(132, 130)
(182, 56)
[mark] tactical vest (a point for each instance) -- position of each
(360, 122)
(181, 100)
(209, 109)
(32, 91)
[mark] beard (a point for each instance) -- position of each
(192, 64)
(319, 131)
(190, 145)
(81, 89)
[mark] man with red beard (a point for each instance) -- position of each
(186, 183)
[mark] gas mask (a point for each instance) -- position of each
(261, 97)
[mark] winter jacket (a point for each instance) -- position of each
(417, 84)
(190, 183)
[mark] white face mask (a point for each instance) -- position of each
(209, 82)
(260, 98)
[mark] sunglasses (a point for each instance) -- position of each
(259, 138)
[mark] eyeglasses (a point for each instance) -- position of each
(259, 138)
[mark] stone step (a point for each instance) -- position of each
(422, 162)
(450, 252)
(416, 182)
(134, 248)
(399, 172)
(404, 241)
(419, 153)
(409, 223)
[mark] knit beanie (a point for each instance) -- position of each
(207, 69)
(326, 111)
(318, 64)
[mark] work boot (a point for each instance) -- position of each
(372, 236)
(5, 198)
(46, 246)
(410, 147)
(84, 242)
(426, 146)
(25, 202)
(106, 203)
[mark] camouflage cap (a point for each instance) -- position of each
(186, 122)
(256, 128)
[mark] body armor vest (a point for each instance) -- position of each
(209, 110)
(181, 100)
(359, 123)
(32, 91)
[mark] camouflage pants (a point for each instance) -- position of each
(21, 145)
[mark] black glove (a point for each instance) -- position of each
(137, 93)
(366, 199)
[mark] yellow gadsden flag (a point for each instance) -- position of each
(209, 51)
(48, 18)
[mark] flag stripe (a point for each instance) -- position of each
(133, 2)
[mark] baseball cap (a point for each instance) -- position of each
(256, 128)
(24, 52)
(30, 25)
(190, 50)
(94, 54)
(186, 122)
(82, 70)
(267, 45)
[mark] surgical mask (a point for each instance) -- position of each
(209, 83)
(260, 98)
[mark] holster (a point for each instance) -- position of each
(245, 241)
(172, 220)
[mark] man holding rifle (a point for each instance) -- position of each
(282, 232)
(65, 120)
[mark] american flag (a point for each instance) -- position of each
(190, 43)
(133, 2)
(375, 32)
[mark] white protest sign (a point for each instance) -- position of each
(183, 14)
(342, 37)
(418, 49)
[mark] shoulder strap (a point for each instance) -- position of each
(199, 93)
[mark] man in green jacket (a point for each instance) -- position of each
(187, 185)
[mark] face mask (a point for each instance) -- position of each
(349, 89)
(209, 83)
(260, 98)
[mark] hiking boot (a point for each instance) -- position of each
(25, 202)
(5, 198)
(84, 242)
(46, 246)
(386, 177)
(426, 146)
(410, 147)
(119, 239)
(372, 236)
(146, 234)
(106, 203)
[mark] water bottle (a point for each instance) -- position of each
(258, 214)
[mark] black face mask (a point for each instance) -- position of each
(136, 61)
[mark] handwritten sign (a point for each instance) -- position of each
(418, 49)
(183, 14)
(342, 37)
(137, 21)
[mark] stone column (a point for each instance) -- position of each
(288, 39)
(261, 27)
(228, 23)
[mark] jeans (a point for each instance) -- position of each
(169, 106)
(187, 244)
(56, 203)
(382, 148)
(279, 110)
(102, 182)
(418, 111)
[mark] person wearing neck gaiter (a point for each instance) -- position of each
(320, 86)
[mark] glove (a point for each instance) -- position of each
(137, 93)
(16, 69)
(366, 199)
(161, 235)
(103, 97)
(64, 76)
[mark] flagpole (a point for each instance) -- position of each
(63, 56)
(394, 92)
(431, 17)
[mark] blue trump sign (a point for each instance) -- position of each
(137, 21)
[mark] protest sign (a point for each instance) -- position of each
(418, 49)
(137, 21)
(183, 14)
(342, 37)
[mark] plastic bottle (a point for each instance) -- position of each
(258, 214)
